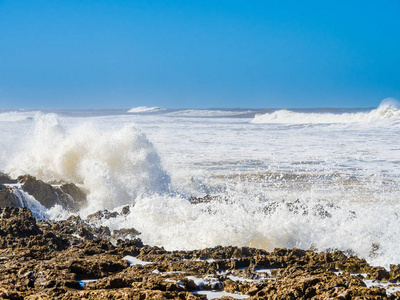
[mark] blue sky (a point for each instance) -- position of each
(198, 54)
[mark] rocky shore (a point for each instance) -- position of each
(75, 259)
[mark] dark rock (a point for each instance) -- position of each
(8, 198)
(6, 179)
(125, 210)
(44, 260)
(17, 222)
(100, 215)
(41, 191)
(69, 196)
(125, 233)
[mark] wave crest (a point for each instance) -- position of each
(114, 167)
(388, 110)
(145, 109)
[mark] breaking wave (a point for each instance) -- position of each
(145, 109)
(114, 167)
(388, 110)
(16, 116)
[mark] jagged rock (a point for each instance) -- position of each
(17, 222)
(41, 191)
(45, 260)
(379, 273)
(124, 233)
(125, 210)
(7, 197)
(100, 215)
(6, 179)
(69, 196)
(96, 268)
(205, 199)
(73, 197)
(77, 227)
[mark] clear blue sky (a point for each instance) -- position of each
(218, 53)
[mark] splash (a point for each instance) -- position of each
(388, 110)
(26, 200)
(114, 167)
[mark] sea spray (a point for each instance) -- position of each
(325, 186)
(113, 167)
(174, 223)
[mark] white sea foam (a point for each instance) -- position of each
(26, 200)
(15, 116)
(133, 261)
(258, 172)
(205, 113)
(114, 167)
(145, 109)
(387, 111)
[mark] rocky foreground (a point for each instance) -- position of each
(76, 259)
(73, 259)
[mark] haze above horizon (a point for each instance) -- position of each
(198, 54)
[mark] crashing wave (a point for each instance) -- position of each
(145, 109)
(387, 111)
(114, 167)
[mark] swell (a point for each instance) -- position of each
(387, 111)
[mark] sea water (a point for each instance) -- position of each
(319, 178)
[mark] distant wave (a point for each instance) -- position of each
(206, 113)
(15, 116)
(387, 111)
(145, 109)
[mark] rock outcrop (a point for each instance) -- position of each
(68, 195)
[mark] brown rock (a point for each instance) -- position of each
(7, 197)
(100, 215)
(17, 222)
(69, 196)
(41, 191)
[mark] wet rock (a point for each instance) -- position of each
(41, 191)
(394, 273)
(45, 260)
(125, 211)
(205, 199)
(124, 233)
(101, 215)
(6, 179)
(7, 197)
(77, 227)
(17, 222)
(379, 273)
(69, 196)
(96, 268)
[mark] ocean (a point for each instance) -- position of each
(308, 178)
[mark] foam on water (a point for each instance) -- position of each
(387, 111)
(16, 116)
(114, 167)
(317, 186)
(206, 113)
